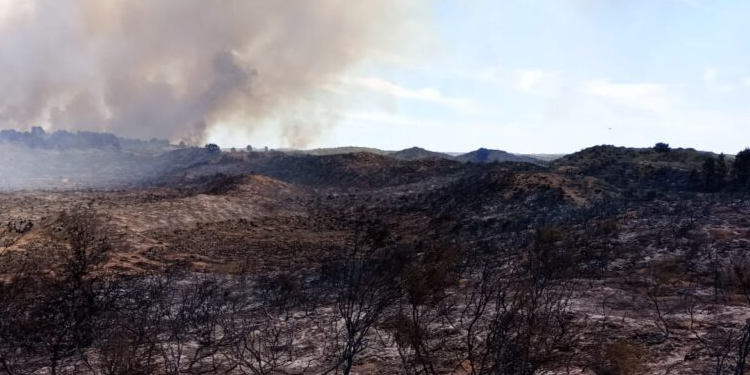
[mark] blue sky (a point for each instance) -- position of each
(543, 76)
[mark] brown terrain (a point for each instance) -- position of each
(625, 265)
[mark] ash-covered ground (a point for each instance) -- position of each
(193, 260)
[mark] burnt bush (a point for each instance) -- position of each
(618, 358)
(438, 305)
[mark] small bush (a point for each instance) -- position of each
(618, 358)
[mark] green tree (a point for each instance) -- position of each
(661, 147)
(741, 168)
(709, 174)
(721, 170)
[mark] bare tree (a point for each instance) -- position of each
(508, 316)
(729, 347)
(62, 320)
(127, 342)
(263, 325)
(191, 310)
(361, 284)
(426, 310)
(654, 296)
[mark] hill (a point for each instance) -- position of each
(418, 153)
(635, 168)
(484, 155)
(604, 232)
(337, 151)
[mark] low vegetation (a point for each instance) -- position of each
(608, 261)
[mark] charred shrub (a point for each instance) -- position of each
(618, 358)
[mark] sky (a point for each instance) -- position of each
(525, 76)
(536, 76)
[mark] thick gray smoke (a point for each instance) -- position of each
(172, 68)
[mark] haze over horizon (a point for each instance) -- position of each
(521, 76)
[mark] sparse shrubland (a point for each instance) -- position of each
(609, 261)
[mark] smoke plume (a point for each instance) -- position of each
(172, 68)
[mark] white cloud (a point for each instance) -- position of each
(526, 80)
(382, 86)
(709, 76)
(651, 97)
(714, 84)
(537, 82)
(383, 118)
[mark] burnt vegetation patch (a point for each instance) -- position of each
(608, 261)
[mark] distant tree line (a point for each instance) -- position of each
(719, 175)
(62, 139)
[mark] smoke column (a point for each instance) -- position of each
(172, 68)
